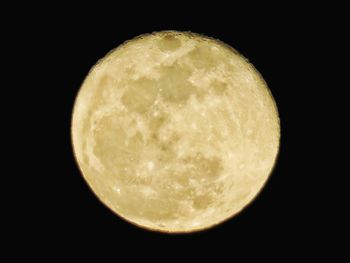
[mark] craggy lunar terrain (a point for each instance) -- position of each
(175, 131)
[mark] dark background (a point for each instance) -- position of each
(61, 47)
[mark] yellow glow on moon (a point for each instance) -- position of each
(175, 131)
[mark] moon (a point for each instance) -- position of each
(175, 131)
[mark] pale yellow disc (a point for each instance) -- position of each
(175, 131)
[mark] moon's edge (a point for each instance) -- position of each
(174, 231)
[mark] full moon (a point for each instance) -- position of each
(175, 131)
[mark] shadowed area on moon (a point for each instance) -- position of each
(174, 131)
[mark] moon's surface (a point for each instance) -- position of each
(175, 131)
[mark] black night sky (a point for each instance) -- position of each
(62, 46)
